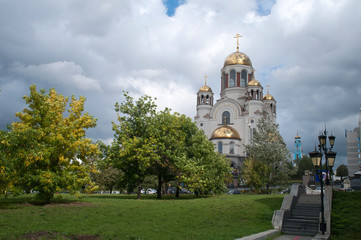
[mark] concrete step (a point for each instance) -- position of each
(301, 227)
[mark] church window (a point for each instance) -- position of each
(220, 147)
(243, 82)
(232, 82)
(226, 118)
(231, 148)
(223, 81)
(244, 77)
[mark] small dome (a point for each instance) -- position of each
(297, 137)
(205, 88)
(225, 132)
(237, 58)
(254, 82)
(268, 97)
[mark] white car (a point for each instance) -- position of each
(149, 191)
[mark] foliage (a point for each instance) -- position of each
(106, 176)
(134, 147)
(342, 171)
(346, 221)
(303, 164)
(7, 179)
(167, 145)
(49, 151)
(120, 217)
(269, 148)
(254, 173)
(205, 170)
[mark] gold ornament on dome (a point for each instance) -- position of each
(237, 58)
(268, 96)
(225, 132)
(254, 82)
(205, 88)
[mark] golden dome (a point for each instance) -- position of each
(205, 88)
(225, 132)
(237, 58)
(254, 82)
(297, 137)
(268, 97)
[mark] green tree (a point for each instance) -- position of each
(303, 164)
(135, 147)
(163, 144)
(7, 178)
(106, 176)
(254, 173)
(50, 151)
(342, 171)
(204, 170)
(269, 148)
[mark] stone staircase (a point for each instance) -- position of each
(303, 218)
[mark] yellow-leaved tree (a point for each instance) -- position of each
(48, 146)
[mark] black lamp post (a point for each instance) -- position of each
(316, 157)
(322, 138)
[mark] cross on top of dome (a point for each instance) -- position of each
(237, 36)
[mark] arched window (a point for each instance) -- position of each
(243, 82)
(223, 81)
(226, 118)
(244, 77)
(220, 147)
(231, 148)
(232, 81)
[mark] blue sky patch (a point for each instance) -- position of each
(172, 6)
(264, 7)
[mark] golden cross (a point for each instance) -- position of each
(205, 79)
(237, 36)
(267, 88)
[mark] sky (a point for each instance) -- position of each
(308, 51)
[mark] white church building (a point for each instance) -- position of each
(230, 121)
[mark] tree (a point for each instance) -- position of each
(303, 164)
(106, 176)
(7, 179)
(167, 145)
(49, 151)
(254, 173)
(134, 144)
(204, 170)
(269, 148)
(342, 171)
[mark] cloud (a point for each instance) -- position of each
(307, 50)
(57, 73)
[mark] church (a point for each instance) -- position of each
(230, 121)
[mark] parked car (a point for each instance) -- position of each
(148, 191)
(234, 191)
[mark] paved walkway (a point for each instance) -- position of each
(293, 237)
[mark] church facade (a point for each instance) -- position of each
(230, 122)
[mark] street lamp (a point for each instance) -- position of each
(322, 138)
(316, 157)
(330, 157)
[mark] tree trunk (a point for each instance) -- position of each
(159, 188)
(140, 186)
(177, 188)
(111, 189)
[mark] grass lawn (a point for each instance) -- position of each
(124, 217)
(346, 215)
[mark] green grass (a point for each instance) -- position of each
(124, 217)
(346, 212)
